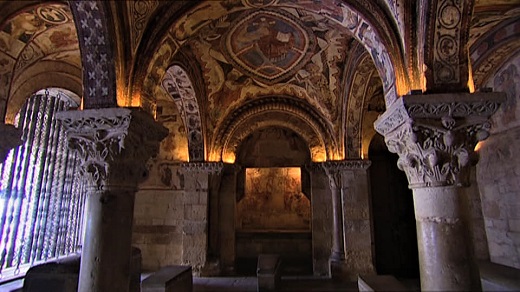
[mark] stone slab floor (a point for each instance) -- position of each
(247, 284)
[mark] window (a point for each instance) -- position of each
(41, 201)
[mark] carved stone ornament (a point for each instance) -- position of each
(11, 137)
(334, 169)
(114, 144)
(435, 135)
(203, 167)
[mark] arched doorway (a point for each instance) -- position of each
(273, 207)
(395, 233)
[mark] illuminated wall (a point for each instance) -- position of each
(273, 201)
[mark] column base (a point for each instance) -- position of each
(338, 269)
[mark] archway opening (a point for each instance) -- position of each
(273, 206)
(395, 233)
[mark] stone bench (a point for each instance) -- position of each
(380, 283)
(63, 275)
(169, 279)
(60, 275)
(268, 272)
(496, 277)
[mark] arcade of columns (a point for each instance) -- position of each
(434, 135)
(434, 138)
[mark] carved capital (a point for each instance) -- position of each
(335, 168)
(11, 138)
(202, 167)
(434, 135)
(114, 144)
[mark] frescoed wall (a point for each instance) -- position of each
(498, 170)
(273, 200)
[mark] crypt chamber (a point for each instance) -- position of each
(350, 137)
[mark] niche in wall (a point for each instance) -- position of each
(273, 201)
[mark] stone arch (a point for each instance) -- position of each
(446, 36)
(286, 113)
(178, 84)
(373, 30)
(380, 42)
(64, 76)
(37, 50)
(358, 86)
(493, 49)
(95, 39)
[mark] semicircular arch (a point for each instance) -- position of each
(282, 111)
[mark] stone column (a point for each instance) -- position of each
(11, 137)
(114, 145)
(359, 254)
(198, 179)
(351, 236)
(435, 136)
(334, 173)
(227, 207)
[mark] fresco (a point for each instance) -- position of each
(273, 200)
(41, 32)
(507, 80)
(268, 53)
(248, 49)
(268, 45)
(178, 85)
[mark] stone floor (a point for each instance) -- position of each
(246, 284)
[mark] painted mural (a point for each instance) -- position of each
(250, 49)
(273, 200)
(42, 32)
(266, 52)
(507, 80)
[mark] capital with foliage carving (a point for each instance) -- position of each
(114, 144)
(11, 138)
(334, 169)
(203, 167)
(435, 135)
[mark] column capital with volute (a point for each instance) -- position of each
(203, 167)
(435, 134)
(114, 144)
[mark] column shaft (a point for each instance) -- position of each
(105, 260)
(435, 136)
(113, 145)
(442, 235)
(338, 253)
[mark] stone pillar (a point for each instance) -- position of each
(198, 179)
(359, 253)
(435, 136)
(352, 253)
(114, 145)
(337, 256)
(11, 137)
(227, 207)
(321, 220)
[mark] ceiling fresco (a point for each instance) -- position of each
(41, 33)
(269, 46)
(249, 53)
(233, 53)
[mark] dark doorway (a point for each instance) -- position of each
(393, 214)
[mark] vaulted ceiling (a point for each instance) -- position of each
(214, 72)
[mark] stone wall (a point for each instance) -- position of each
(357, 226)
(498, 171)
(159, 218)
(321, 222)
